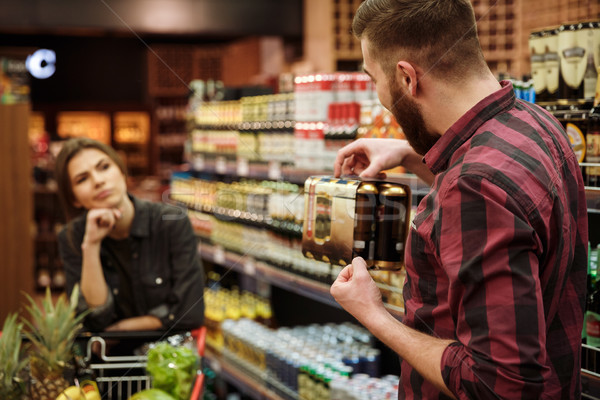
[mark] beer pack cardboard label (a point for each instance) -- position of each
(328, 229)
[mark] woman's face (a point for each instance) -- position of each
(96, 180)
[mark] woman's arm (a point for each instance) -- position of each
(99, 223)
(142, 323)
(69, 245)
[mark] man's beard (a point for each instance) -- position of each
(408, 114)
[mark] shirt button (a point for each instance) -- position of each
(115, 291)
(159, 280)
(134, 256)
(171, 317)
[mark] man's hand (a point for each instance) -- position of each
(368, 157)
(356, 292)
(100, 222)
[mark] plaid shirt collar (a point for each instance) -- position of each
(438, 156)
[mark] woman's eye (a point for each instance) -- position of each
(80, 180)
(104, 166)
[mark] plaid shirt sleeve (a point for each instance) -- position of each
(490, 253)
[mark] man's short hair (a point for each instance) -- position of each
(438, 35)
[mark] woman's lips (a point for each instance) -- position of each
(103, 194)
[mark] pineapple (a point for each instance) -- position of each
(12, 384)
(52, 332)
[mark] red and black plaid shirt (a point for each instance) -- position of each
(497, 257)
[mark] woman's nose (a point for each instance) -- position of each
(97, 178)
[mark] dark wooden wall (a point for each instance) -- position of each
(16, 209)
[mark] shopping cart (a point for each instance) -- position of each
(120, 376)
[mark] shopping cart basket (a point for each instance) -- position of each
(120, 376)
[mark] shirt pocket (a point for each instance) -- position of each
(156, 288)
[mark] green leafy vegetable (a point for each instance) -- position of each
(173, 369)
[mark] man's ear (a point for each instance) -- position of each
(407, 76)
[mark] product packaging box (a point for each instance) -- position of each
(345, 218)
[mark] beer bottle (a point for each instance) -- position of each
(572, 56)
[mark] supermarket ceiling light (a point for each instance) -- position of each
(42, 63)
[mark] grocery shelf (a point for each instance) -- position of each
(291, 282)
(590, 383)
(247, 265)
(243, 379)
(239, 167)
(590, 379)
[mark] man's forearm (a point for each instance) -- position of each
(421, 351)
(414, 163)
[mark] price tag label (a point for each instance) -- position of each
(219, 255)
(243, 168)
(249, 266)
(274, 170)
(198, 162)
(221, 165)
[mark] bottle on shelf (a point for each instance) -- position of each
(593, 146)
(590, 78)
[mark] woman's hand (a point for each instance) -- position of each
(100, 222)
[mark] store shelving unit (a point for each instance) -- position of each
(245, 378)
(267, 273)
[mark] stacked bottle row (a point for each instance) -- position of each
(273, 108)
(565, 61)
(315, 362)
(263, 220)
(276, 205)
(247, 113)
(229, 304)
(283, 253)
(257, 128)
(305, 128)
(582, 125)
(327, 114)
(315, 93)
(271, 145)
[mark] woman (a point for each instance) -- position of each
(135, 261)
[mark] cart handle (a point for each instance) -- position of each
(200, 335)
(198, 386)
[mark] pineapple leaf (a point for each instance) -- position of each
(52, 332)
(12, 359)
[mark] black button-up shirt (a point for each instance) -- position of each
(167, 276)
